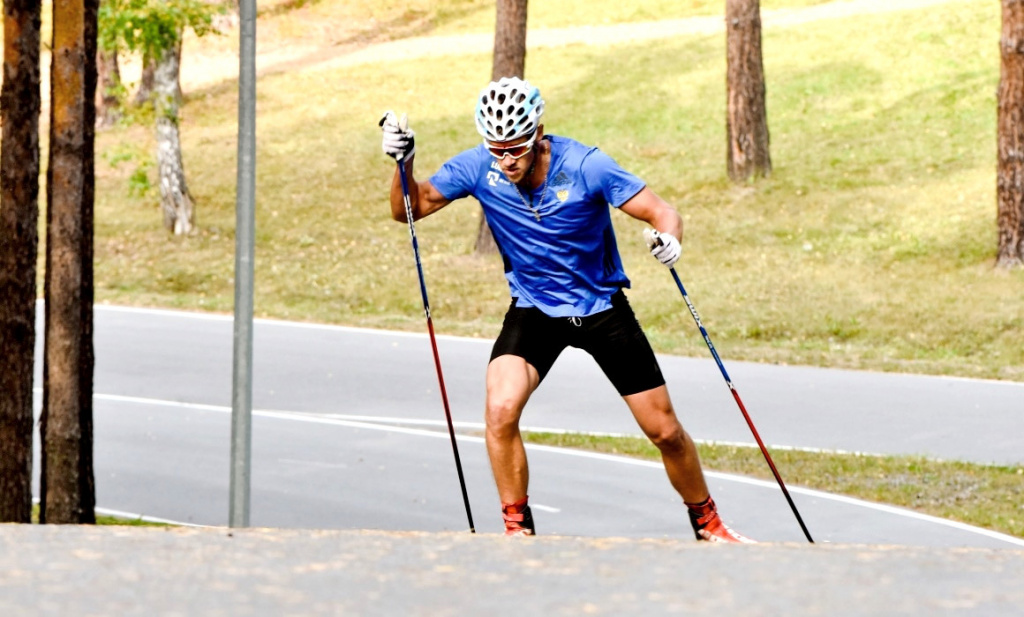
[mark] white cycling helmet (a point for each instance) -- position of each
(508, 109)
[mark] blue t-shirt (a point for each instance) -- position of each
(567, 263)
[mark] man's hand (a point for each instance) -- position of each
(663, 246)
(399, 141)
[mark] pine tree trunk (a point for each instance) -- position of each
(108, 106)
(509, 40)
(19, 244)
(1010, 170)
(746, 117)
(145, 91)
(67, 485)
(509, 61)
(175, 200)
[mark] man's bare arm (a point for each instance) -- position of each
(655, 211)
(424, 199)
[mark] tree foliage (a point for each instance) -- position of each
(151, 26)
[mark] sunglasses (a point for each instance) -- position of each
(517, 151)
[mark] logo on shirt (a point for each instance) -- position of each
(560, 180)
(562, 195)
(494, 177)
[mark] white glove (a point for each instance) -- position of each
(663, 246)
(399, 142)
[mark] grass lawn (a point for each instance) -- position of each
(109, 520)
(870, 246)
(981, 495)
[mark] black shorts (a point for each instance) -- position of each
(612, 337)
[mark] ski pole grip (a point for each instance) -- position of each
(653, 238)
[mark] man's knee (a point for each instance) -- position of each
(502, 416)
(669, 438)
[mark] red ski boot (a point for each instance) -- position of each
(708, 526)
(518, 518)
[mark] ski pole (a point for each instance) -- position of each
(433, 341)
(736, 395)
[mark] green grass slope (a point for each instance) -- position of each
(870, 246)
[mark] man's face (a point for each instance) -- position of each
(515, 169)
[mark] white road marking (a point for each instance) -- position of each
(313, 419)
(476, 426)
(149, 519)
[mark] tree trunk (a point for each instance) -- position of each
(67, 488)
(19, 244)
(746, 117)
(108, 106)
(509, 40)
(175, 200)
(485, 244)
(509, 61)
(145, 92)
(1010, 170)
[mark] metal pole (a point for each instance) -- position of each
(245, 216)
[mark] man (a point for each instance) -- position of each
(546, 201)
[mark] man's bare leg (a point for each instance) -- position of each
(654, 413)
(510, 382)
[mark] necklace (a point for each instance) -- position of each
(543, 191)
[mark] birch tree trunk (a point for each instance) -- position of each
(175, 200)
(68, 493)
(1010, 166)
(509, 61)
(746, 117)
(19, 245)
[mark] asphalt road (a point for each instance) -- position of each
(347, 435)
(186, 357)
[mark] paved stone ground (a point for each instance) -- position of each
(51, 570)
